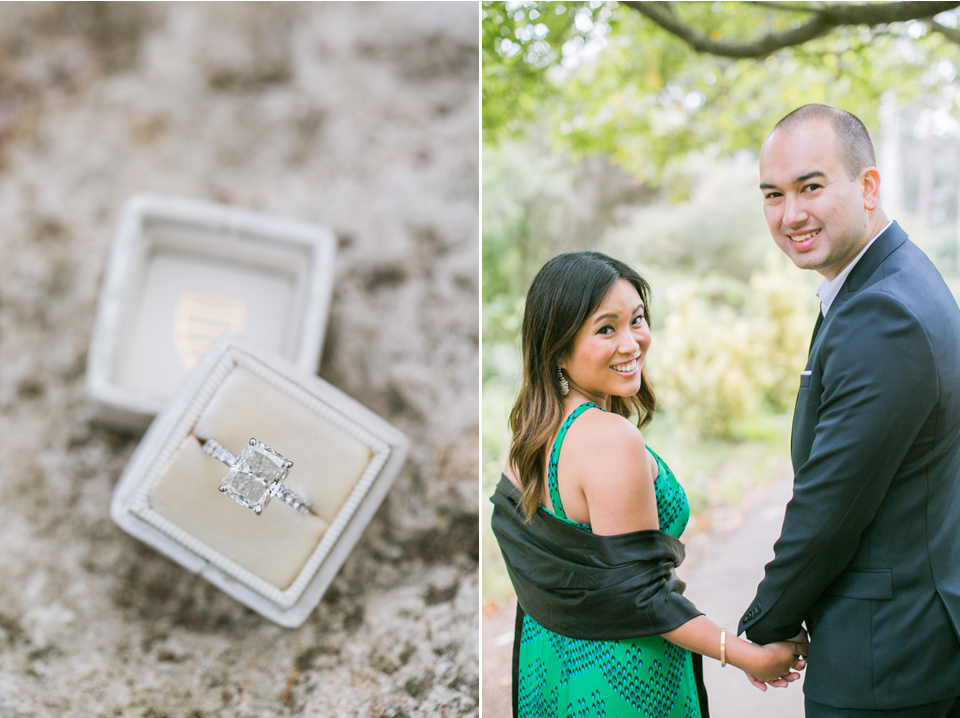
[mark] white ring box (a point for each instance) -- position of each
(280, 562)
(180, 272)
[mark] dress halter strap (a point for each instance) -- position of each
(552, 484)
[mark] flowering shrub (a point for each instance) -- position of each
(726, 349)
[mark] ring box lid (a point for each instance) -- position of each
(180, 272)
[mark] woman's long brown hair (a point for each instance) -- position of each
(565, 293)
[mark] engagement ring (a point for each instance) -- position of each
(256, 476)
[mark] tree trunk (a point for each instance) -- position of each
(891, 156)
(925, 174)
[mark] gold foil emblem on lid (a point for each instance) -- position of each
(201, 317)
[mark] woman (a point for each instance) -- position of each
(587, 516)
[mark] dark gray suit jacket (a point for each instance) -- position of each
(869, 553)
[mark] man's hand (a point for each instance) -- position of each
(802, 642)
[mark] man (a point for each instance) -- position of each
(869, 554)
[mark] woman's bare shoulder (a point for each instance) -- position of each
(511, 476)
(610, 465)
(607, 428)
(600, 439)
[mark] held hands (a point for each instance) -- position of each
(778, 659)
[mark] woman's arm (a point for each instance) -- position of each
(607, 479)
(609, 463)
(765, 663)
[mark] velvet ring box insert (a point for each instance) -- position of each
(181, 272)
(280, 562)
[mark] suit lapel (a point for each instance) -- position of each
(816, 329)
(888, 241)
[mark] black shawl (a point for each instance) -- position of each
(582, 585)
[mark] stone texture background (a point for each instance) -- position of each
(360, 116)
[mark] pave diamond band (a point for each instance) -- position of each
(219, 453)
(256, 476)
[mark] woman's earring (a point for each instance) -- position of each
(564, 386)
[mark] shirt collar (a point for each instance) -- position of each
(828, 290)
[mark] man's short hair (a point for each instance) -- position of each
(856, 149)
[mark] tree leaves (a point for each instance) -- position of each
(604, 78)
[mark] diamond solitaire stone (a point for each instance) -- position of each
(256, 476)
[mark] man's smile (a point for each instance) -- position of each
(804, 237)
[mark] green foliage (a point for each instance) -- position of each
(603, 79)
(520, 41)
(516, 181)
(730, 350)
(500, 383)
(715, 224)
(536, 205)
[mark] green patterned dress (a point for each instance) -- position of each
(649, 677)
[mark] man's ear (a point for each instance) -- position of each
(870, 183)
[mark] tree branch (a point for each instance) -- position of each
(825, 17)
(787, 5)
(766, 45)
(881, 13)
(951, 33)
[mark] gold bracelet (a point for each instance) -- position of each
(723, 647)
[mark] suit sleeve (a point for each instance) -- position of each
(879, 386)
